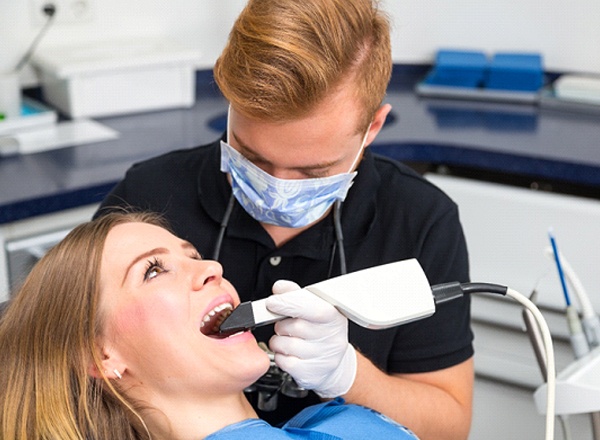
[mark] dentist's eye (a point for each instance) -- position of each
(154, 268)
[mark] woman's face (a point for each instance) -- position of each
(156, 296)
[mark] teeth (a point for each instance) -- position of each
(221, 312)
(223, 306)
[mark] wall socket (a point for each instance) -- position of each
(67, 11)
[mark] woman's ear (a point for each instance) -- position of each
(111, 365)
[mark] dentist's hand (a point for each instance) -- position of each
(312, 345)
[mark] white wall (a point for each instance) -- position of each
(565, 32)
(202, 24)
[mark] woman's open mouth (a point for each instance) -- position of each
(213, 320)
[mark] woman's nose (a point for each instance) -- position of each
(206, 271)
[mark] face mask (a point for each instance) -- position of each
(291, 203)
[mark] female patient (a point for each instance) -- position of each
(109, 339)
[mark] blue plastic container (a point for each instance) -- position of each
(458, 68)
(515, 71)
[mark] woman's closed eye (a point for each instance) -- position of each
(196, 256)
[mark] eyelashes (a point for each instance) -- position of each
(154, 268)
(196, 256)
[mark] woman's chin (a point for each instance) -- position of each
(262, 365)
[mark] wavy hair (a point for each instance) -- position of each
(283, 57)
(48, 340)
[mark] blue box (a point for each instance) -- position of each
(460, 68)
(515, 71)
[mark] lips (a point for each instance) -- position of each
(214, 318)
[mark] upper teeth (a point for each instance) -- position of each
(222, 309)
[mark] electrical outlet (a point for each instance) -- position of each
(67, 11)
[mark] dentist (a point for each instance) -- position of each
(292, 192)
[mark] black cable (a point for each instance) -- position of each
(332, 259)
(339, 236)
(448, 291)
(49, 10)
(224, 223)
(484, 288)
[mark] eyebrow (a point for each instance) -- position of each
(254, 156)
(187, 245)
(155, 251)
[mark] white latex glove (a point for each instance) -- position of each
(312, 346)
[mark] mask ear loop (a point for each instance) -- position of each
(360, 150)
(228, 116)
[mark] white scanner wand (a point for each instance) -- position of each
(378, 297)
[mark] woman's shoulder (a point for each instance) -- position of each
(332, 420)
(248, 429)
(347, 422)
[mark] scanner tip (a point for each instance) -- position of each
(242, 318)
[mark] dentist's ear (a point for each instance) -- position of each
(377, 123)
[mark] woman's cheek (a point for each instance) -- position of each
(144, 315)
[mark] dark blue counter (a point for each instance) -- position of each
(496, 138)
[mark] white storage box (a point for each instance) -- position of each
(117, 78)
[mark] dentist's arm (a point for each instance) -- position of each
(312, 346)
(435, 405)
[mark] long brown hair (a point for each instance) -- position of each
(48, 341)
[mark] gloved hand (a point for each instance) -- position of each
(312, 346)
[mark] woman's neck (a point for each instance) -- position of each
(186, 420)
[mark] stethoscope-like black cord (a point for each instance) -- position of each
(224, 223)
(339, 244)
(337, 224)
(339, 236)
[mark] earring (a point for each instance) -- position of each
(119, 375)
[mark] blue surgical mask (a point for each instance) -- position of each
(291, 203)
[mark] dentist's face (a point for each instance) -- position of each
(323, 143)
(158, 298)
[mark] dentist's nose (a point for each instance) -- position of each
(207, 271)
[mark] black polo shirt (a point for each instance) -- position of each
(391, 213)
